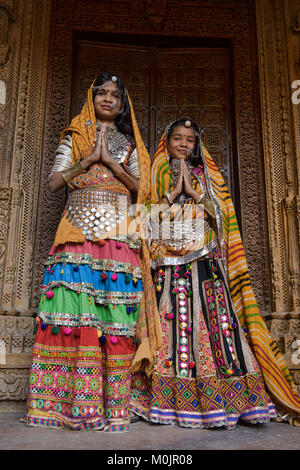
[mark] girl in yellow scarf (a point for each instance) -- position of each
(217, 356)
(97, 315)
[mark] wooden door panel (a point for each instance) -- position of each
(197, 87)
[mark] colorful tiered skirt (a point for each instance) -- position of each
(85, 339)
(205, 372)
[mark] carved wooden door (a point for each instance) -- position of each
(164, 84)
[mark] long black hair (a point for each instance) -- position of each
(197, 157)
(123, 120)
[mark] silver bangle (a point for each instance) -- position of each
(168, 197)
(201, 199)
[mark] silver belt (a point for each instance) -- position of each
(96, 212)
(179, 234)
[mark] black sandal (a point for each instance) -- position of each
(134, 418)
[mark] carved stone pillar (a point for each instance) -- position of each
(277, 29)
(24, 31)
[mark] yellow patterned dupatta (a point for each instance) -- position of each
(275, 372)
(83, 128)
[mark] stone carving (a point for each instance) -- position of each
(25, 160)
(285, 332)
(279, 157)
(14, 384)
(17, 334)
(293, 250)
(278, 327)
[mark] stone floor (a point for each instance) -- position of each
(14, 435)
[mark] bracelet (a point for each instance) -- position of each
(168, 197)
(70, 173)
(200, 199)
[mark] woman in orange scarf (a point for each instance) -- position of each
(92, 322)
(205, 373)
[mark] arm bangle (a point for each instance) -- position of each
(70, 173)
(200, 199)
(167, 195)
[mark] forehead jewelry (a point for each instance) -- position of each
(113, 79)
(104, 85)
(187, 124)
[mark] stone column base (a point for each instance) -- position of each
(285, 330)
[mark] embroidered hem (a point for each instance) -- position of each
(202, 402)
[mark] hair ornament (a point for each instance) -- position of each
(114, 78)
(187, 123)
(104, 85)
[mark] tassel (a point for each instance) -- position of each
(55, 330)
(49, 294)
(169, 316)
(114, 339)
(102, 338)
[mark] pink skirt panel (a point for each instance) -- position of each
(111, 249)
